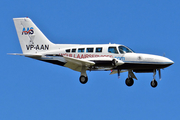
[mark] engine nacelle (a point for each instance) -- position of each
(116, 62)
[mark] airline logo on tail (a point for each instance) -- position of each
(27, 31)
(32, 46)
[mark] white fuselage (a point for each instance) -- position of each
(103, 57)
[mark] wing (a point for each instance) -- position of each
(72, 63)
(76, 64)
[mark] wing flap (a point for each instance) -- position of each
(73, 66)
(81, 62)
(76, 64)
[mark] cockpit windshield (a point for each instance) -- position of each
(123, 49)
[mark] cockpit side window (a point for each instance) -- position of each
(112, 50)
(123, 50)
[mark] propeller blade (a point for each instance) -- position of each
(154, 75)
(159, 74)
(119, 73)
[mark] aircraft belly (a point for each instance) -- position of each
(142, 66)
(103, 63)
(56, 62)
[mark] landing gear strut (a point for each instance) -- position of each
(83, 78)
(154, 82)
(129, 81)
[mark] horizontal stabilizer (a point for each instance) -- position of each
(26, 55)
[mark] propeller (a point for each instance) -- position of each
(159, 70)
(119, 73)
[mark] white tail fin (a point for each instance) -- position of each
(32, 40)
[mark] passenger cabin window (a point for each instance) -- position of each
(68, 50)
(123, 49)
(99, 49)
(81, 50)
(73, 50)
(112, 50)
(89, 49)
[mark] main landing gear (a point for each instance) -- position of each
(129, 82)
(154, 82)
(83, 78)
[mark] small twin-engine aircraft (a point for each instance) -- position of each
(107, 57)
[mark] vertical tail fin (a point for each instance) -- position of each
(31, 39)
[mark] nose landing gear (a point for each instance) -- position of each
(154, 82)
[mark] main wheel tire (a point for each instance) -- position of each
(129, 82)
(154, 83)
(83, 79)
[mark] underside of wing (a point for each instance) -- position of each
(76, 64)
(116, 71)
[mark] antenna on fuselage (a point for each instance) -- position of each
(164, 55)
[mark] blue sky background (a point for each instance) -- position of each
(35, 90)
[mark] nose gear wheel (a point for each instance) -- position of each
(154, 83)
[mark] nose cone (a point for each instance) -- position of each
(169, 61)
(164, 61)
(157, 61)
